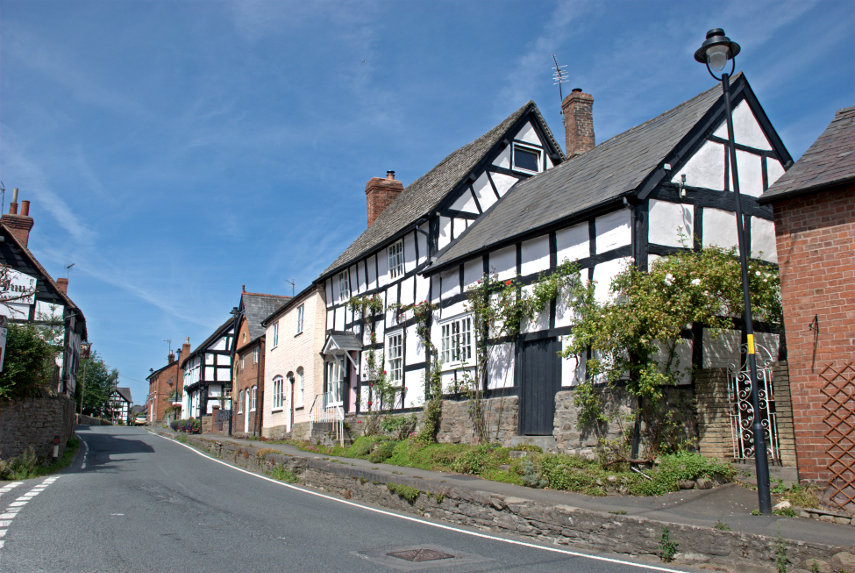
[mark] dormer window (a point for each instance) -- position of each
(527, 159)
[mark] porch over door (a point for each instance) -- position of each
(540, 379)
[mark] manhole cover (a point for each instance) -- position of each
(420, 554)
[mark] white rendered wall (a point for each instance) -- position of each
(750, 169)
(450, 283)
(528, 135)
(465, 203)
(720, 228)
(409, 252)
(572, 369)
(484, 192)
(604, 273)
(504, 158)
(504, 263)
(573, 243)
(668, 221)
(500, 366)
(444, 233)
(763, 244)
(535, 256)
(613, 231)
(503, 182)
(705, 168)
(746, 130)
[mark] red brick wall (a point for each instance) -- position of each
(816, 255)
(159, 390)
(248, 373)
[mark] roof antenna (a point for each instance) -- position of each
(2, 197)
(559, 76)
(169, 342)
(292, 283)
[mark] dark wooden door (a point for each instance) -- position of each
(540, 378)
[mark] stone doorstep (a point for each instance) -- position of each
(591, 529)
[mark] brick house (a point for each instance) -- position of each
(248, 354)
(166, 385)
(814, 207)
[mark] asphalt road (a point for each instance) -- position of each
(135, 501)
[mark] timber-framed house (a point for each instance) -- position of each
(407, 227)
(208, 373)
(648, 192)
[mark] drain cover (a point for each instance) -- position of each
(420, 554)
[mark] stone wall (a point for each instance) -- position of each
(563, 525)
(501, 416)
(35, 422)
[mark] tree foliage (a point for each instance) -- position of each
(634, 335)
(29, 364)
(96, 380)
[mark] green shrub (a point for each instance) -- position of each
(382, 451)
(363, 446)
(282, 474)
(478, 460)
(404, 491)
(28, 365)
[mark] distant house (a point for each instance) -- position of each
(32, 296)
(248, 359)
(294, 366)
(207, 372)
(166, 385)
(120, 402)
(814, 206)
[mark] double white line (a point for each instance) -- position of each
(14, 507)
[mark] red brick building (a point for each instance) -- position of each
(166, 385)
(814, 206)
(248, 361)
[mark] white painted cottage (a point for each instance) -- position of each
(208, 373)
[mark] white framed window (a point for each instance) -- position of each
(298, 399)
(275, 334)
(300, 310)
(240, 402)
(395, 357)
(396, 259)
(527, 159)
(344, 286)
(278, 393)
(242, 363)
(254, 399)
(335, 380)
(457, 340)
(255, 355)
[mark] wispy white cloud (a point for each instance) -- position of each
(33, 181)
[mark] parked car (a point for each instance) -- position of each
(140, 420)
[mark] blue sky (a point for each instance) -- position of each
(176, 150)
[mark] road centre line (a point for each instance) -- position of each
(422, 521)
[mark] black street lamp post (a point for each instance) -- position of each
(715, 52)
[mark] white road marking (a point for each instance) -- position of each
(427, 523)
(16, 506)
(85, 452)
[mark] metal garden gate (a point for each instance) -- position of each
(742, 408)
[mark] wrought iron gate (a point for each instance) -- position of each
(742, 409)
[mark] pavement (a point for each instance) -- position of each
(730, 504)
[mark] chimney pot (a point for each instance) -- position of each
(25, 208)
(577, 109)
(379, 194)
(62, 283)
(18, 225)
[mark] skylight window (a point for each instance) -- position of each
(527, 159)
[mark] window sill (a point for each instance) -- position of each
(277, 410)
(298, 334)
(299, 407)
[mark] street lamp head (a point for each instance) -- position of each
(716, 51)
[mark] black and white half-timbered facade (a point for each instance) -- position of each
(657, 188)
(208, 373)
(407, 228)
(30, 295)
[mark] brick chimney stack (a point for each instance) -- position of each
(380, 193)
(18, 225)
(62, 283)
(577, 109)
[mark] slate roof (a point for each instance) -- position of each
(612, 169)
(828, 162)
(257, 307)
(423, 195)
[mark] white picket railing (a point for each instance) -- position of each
(322, 412)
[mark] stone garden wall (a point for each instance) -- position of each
(35, 422)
